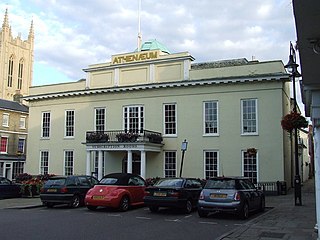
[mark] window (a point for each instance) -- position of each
(22, 123)
(68, 162)
(100, 119)
(4, 145)
(44, 162)
(133, 118)
(17, 169)
(170, 119)
(250, 166)
(5, 120)
(20, 72)
(211, 164)
(69, 127)
(45, 129)
(96, 163)
(210, 117)
(10, 71)
(249, 116)
(21, 144)
(170, 164)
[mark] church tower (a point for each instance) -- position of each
(16, 62)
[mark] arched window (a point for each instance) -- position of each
(10, 71)
(20, 73)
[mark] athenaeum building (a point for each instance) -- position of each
(133, 113)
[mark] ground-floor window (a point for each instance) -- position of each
(250, 166)
(1, 169)
(211, 164)
(44, 162)
(17, 169)
(96, 163)
(170, 164)
(68, 162)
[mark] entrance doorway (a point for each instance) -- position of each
(136, 163)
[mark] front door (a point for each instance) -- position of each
(136, 163)
(8, 170)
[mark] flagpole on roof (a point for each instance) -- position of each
(139, 27)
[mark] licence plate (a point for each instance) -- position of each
(52, 190)
(97, 197)
(160, 194)
(218, 195)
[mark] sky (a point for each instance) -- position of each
(72, 34)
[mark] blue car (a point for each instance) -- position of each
(8, 189)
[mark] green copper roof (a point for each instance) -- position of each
(154, 45)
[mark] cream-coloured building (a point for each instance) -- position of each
(133, 113)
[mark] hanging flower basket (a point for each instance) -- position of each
(251, 151)
(293, 120)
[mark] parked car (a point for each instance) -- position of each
(9, 189)
(180, 193)
(117, 190)
(70, 190)
(230, 194)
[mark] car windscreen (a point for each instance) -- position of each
(109, 181)
(169, 183)
(55, 182)
(220, 184)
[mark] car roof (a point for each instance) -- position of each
(228, 178)
(69, 176)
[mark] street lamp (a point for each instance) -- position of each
(292, 69)
(184, 146)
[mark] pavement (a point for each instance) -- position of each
(281, 220)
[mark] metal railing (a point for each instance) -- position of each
(117, 136)
(273, 188)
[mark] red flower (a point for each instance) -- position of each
(293, 120)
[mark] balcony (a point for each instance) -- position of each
(121, 136)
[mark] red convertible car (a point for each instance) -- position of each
(117, 190)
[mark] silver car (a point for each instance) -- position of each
(236, 195)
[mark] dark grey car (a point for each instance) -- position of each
(230, 194)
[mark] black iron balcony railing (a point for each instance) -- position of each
(123, 136)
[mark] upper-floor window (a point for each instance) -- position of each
(249, 113)
(44, 162)
(210, 110)
(69, 123)
(22, 123)
(133, 118)
(170, 164)
(5, 120)
(45, 125)
(21, 145)
(68, 162)
(10, 71)
(4, 144)
(250, 166)
(211, 164)
(20, 73)
(170, 119)
(100, 119)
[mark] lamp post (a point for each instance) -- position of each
(292, 69)
(184, 146)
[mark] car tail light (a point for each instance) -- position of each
(147, 193)
(64, 190)
(201, 197)
(174, 194)
(237, 196)
(42, 190)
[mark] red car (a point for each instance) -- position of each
(117, 190)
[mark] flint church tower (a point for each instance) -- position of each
(16, 62)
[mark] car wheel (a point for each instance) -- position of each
(154, 208)
(124, 204)
(262, 204)
(91, 207)
(202, 213)
(188, 208)
(244, 213)
(75, 202)
(49, 205)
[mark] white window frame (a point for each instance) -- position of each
(22, 122)
(164, 164)
(175, 123)
(5, 119)
(64, 162)
(204, 162)
(66, 122)
(105, 118)
(42, 166)
(126, 119)
(256, 119)
(7, 142)
(42, 125)
(257, 165)
(216, 120)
